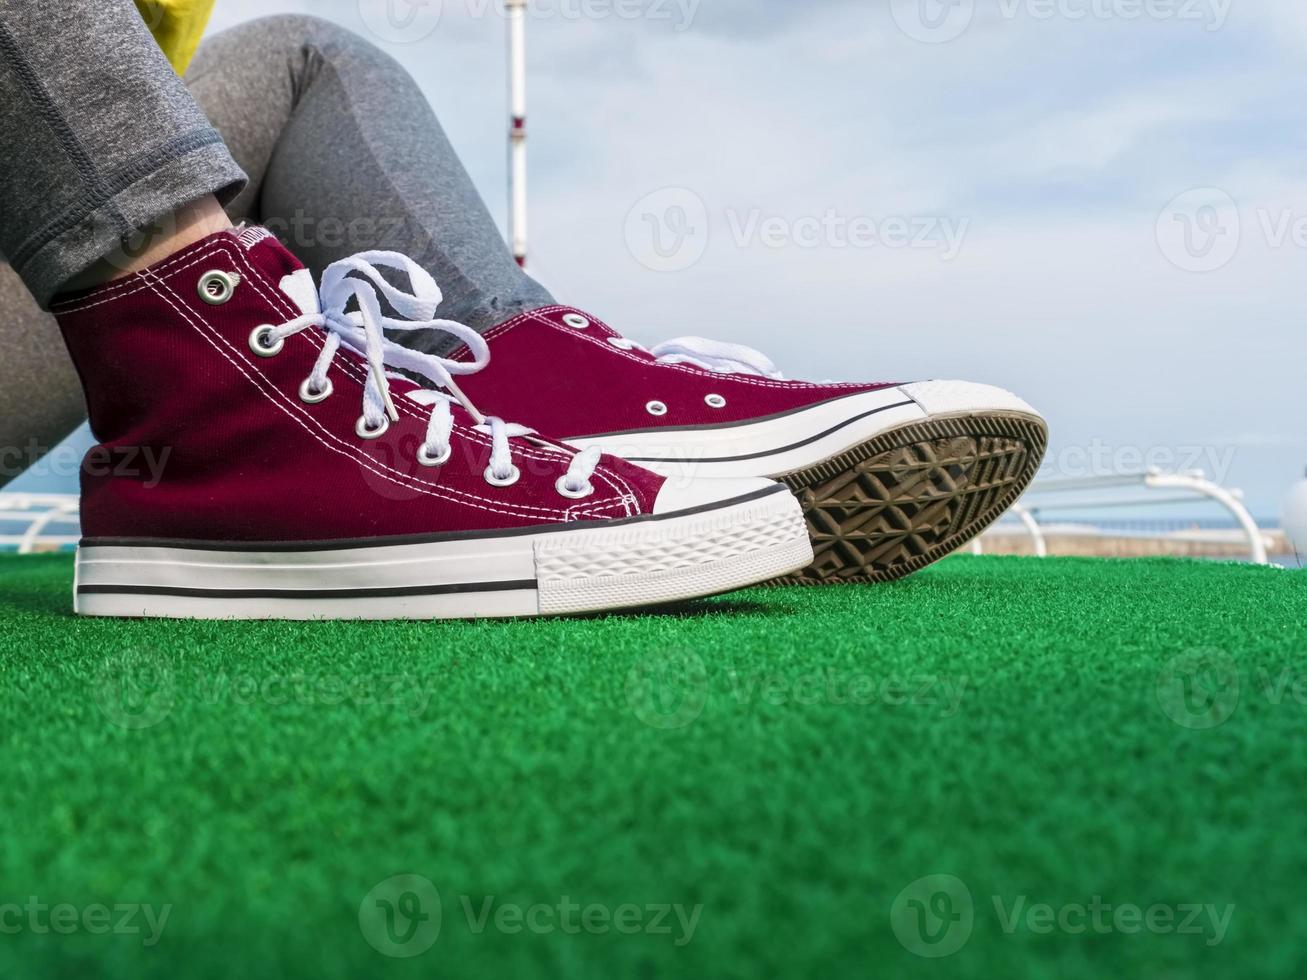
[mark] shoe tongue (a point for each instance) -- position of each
(269, 255)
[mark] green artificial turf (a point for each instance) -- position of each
(786, 761)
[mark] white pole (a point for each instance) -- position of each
(516, 11)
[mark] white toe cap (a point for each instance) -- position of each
(963, 397)
(687, 494)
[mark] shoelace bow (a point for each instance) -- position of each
(363, 331)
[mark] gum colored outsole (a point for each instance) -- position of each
(910, 496)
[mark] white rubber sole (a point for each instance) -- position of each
(889, 481)
(619, 565)
(779, 446)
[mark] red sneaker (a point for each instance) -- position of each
(891, 476)
(260, 457)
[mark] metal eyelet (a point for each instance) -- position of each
(361, 427)
(216, 287)
(258, 342)
(564, 490)
(715, 401)
(514, 474)
(621, 343)
(656, 408)
(311, 396)
(426, 459)
(576, 321)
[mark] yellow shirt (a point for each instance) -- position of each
(177, 25)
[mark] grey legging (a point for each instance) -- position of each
(343, 154)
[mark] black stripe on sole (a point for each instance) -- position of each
(351, 544)
(913, 494)
(458, 588)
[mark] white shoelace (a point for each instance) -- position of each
(713, 355)
(363, 331)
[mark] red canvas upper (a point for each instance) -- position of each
(201, 439)
(574, 382)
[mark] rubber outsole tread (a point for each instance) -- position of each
(912, 495)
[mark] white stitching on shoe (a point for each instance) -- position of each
(146, 280)
(264, 387)
(537, 316)
(358, 374)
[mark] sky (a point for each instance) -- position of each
(1099, 204)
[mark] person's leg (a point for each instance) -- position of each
(100, 139)
(345, 154)
(40, 398)
(88, 156)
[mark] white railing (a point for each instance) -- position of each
(40, 512)
(1190, 484)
